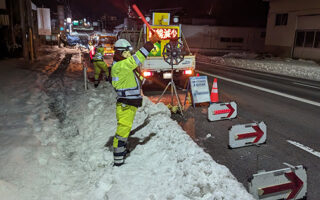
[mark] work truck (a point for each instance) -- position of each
(155, 69)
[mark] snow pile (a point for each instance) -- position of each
(56, 144)
(296, 68)
(243, 55)
(165, 163)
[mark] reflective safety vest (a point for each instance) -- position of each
(125, 78)
(98, 56)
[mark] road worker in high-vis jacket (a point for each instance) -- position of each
(99, 64)
(127, 82)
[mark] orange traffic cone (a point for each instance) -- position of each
(214, 92)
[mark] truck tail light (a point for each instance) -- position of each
(187, 72)
(147, 74)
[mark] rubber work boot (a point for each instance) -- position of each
(96, 83)
(108, 79)
(120, 154)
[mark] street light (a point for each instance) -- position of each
(69, 20)
(175, 19)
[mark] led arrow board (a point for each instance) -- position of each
(288, 183)
(221, 111)
(247, 134)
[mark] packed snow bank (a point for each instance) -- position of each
(53, 145)
(244, 55)
(165, 164)
(305, 69)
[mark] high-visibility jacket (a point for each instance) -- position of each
(125, 79)
(98, 55)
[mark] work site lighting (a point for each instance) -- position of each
(175, 19)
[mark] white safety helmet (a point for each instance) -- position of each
(122, 45)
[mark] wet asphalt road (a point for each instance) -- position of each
(286, 119)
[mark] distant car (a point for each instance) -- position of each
(72, 40)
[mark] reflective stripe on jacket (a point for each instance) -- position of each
(125, 79)
(99, 52)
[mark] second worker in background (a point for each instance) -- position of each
(99, 64)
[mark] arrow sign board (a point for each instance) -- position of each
(221, 111)
(288, 183)
(247, 134)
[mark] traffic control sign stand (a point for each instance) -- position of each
(222, 111)
(247, 134)
(199, 89)
(287, 183)
(187, 91)
(173, 93)
(172, 54)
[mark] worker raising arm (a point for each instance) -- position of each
(127, 82)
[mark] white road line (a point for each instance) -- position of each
(269, 74)
(263, 89)
(301, 146)
(306, 85)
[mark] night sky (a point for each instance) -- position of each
(227, 12)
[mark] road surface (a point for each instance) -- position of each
(289, 106)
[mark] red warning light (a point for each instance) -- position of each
(187, 72)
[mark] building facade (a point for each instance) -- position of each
(215, 39)
(293, 28)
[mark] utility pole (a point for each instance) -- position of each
(22, 5)
(30, 30)
(13, 38)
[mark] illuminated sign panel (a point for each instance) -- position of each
(76, 23)
(166, 33)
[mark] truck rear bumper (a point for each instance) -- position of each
(157, 78)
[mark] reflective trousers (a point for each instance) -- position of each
(98, 66)
(125, 116)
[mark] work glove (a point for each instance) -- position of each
(154, 38)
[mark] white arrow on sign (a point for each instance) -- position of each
(247, 134)
(221, 111)
(288, 183)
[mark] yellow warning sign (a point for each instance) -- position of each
(156, 51)
(161, 18)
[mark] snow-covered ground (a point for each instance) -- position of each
(305, 69)
(56, 138)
